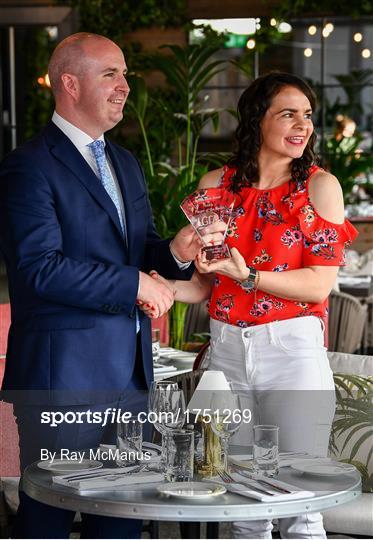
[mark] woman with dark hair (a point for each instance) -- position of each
(268, 300)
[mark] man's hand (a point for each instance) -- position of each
(155, 297)
(187, 243)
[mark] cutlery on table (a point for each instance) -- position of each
(100, 474)
(262, 481)
(227, 478)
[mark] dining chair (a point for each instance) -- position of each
(347, 319)
(197, 320)
(188, 382)
(368, 329)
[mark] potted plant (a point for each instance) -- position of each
(187, 71)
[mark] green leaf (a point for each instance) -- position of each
(359, 443)
(351, 434)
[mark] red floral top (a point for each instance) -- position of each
(276, 230)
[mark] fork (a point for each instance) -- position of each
(262, 481)
(227, 478)
(98, 474)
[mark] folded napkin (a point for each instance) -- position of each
(246, 487)
(109, 482)
(160, 369)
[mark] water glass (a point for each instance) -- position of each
(129, 442)
(180, 455)
(166, 398)
(226, 417)
(156, 344)
(266, 450)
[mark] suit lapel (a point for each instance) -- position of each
(64, 150)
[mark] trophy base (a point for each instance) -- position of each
(216, 252)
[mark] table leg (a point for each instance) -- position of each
(190, 529)
(212, 529)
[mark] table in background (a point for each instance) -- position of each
(358, 286)
(182, 366)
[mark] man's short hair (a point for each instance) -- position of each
(68, 57)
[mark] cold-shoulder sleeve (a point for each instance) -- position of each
(324, 242)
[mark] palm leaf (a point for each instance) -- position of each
(138, 97)
(359, 443)
(343, 424)
(352, 433)
(199, 56)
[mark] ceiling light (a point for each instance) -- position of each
(307, 52)
(284, 27)
(233, 26)
(365, 53)
(358, 37)
(312, 30)
(273, 22)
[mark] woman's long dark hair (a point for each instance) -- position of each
(252, 106)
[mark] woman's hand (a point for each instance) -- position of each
(149, 309)
(233, 267)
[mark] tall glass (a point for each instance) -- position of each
(265, 454)
(226, 417)
(180, 455)
(129, 442)
(167, 403)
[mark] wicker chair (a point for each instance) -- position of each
(188, 382)
(347, 318)
(197, 320)
(368, 330)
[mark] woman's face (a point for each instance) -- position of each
(287, 125)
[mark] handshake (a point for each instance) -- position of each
(156, 294)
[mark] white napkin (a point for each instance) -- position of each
(241, 487)
(109, 482)
(161, 369)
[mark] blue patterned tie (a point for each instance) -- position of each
(98, 150)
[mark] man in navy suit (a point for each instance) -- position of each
(78, 239)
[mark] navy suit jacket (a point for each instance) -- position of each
(73, 281)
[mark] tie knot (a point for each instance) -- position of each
(98, 148)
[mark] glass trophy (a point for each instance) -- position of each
(205, 207)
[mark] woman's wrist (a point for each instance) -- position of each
(251, 279)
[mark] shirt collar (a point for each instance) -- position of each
(79, 138)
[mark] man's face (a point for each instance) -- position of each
(102, 88)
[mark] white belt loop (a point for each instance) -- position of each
(270, 333)
(222, 332)
(322, 325)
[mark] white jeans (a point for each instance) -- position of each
(282, 373)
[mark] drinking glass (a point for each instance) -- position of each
(167, 403)
(129, 442)
(180, 455)
(156, 345)
(226, 417)
(265, 451)
(159, 384)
